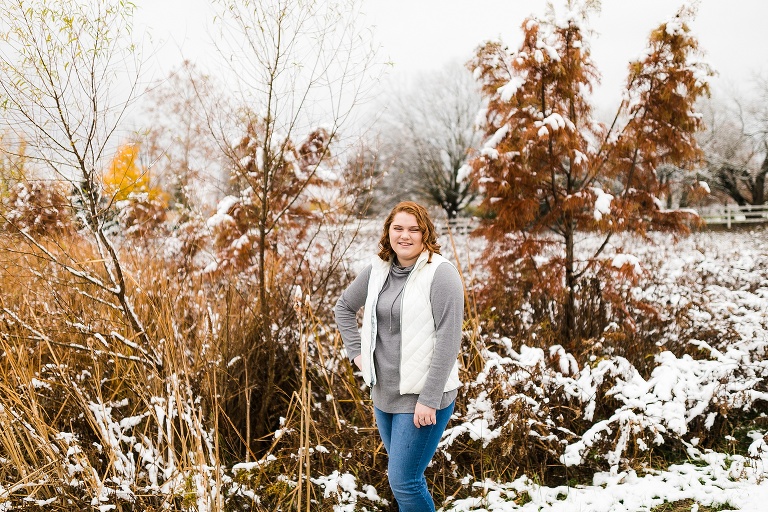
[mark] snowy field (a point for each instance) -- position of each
(720, 279)
(712, 281)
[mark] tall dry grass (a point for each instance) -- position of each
(95, 419)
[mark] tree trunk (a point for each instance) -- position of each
(758, 194)
(726, 179)
(570, 286)
(265, 325)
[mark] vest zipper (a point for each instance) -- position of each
(374, 328)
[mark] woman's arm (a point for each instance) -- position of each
(346, 310)
(447, 297)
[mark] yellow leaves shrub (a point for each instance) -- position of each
(127, 177)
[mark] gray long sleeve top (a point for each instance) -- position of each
(447, 298)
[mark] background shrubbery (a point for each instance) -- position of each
(94, 420)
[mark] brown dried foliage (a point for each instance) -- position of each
(38, 207)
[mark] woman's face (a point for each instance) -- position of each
(405, 237)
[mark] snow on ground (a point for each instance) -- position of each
(725, 483)
(719, 281)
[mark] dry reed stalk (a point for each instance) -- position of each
(32, 457)
(48, 340)
(304, 399)
(476, 361)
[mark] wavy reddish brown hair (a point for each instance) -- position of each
(427, 227)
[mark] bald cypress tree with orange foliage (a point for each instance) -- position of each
(550, 172)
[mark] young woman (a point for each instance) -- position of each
(408, 346)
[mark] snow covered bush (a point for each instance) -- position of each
(140, 215)
(627, 406)
(515, 412)
(38, 207)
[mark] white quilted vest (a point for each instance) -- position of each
(417, 326)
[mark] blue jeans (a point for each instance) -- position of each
(410, 449)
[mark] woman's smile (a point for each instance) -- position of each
(405, 237)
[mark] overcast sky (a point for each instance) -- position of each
(421, 35)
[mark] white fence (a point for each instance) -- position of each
(457, 226)
(729, 215)
(721, 215)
